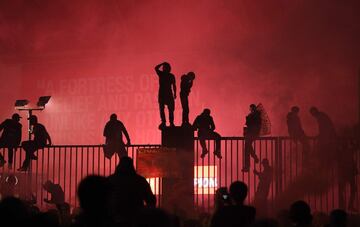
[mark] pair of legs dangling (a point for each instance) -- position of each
(211, 135)
(249, 151)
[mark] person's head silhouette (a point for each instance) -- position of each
(48, 185)
(206, 112)
(314, 111)
(252, 108)
(126, 166)
(113, 117)
(166, 67)
(338, 218)
(295, 109)
(238, 192)
(300, 213)
(191, 75)
(16, 117)
(33, 120)
(92, 193)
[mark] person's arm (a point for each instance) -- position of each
(174, 86)
(19, 135)
(126, 134)
(48, 138)
(157, 68)
(212, 124)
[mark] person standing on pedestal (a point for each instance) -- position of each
(167, 92)
(205, 125)
(186, 84)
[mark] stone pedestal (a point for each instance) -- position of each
(174, 163)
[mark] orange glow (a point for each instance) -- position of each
(205, 179)
(155, 184)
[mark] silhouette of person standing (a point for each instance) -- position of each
(265, 179)
(186, 84)
(236, 214)
(113, 132)
(129, 192)
(205, 125)
(11, 137)
(251, 132)
(327, 135)
(167, 93)
(296, 131)
(41, 139)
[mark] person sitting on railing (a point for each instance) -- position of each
(10, 138)
(205, 125)
(128, 193)
(113, 132)
(296, 131)
(41, 139)
(251, 132)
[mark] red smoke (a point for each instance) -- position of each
(97, 57)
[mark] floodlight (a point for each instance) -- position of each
(21, 102)
(43, 100)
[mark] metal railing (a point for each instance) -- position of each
(67, 165)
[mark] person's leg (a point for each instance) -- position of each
(202, 139)
(248, 143)
(29, 148)
(216, 136)
(305, 148)
(10, 156)
(171, 108)
(122, 151)
(252, 150)
(185, 107)
(162, 114)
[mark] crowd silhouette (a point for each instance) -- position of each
(125, 198)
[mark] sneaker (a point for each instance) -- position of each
(218, 154)
(204, 153)
(162, 126)
(2, 162)
(33, 157)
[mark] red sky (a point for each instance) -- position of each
(97, 57)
